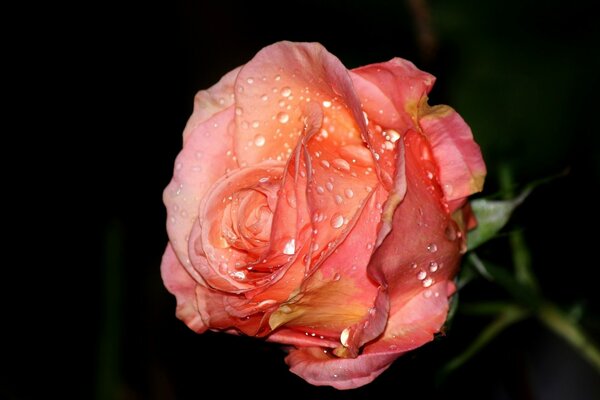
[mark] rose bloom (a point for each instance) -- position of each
(321, 208)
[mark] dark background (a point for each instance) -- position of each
(117, 81)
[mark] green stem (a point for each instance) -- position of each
(571, 331)
(509, 315)
(520, 252)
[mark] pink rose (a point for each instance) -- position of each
(320, 208)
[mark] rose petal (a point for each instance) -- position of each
(319, 368)
(179, 282)
(461, 167)
(211, 101)
(422, 224)
(202, 161)
(400, 81)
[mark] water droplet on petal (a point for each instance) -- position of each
(255, 124)
(349, 193)
(427, 282)
(290, 247)
(338, 199)
(277, 77)
(393, 135)
(427, 294)
(337, 277)
(320, 190)
(286, 91)
(259, 140)
(432, 248)
(239, 275)
(329, 186)
(337, 220)
(223, 267)
(325, 163)
(413, 265)
(250, 81)
(433, 266)
(421, 275)
(283, 117)
(341, 164)
(326, 103)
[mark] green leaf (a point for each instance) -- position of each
(492, 215)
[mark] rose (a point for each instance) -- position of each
(320, 208)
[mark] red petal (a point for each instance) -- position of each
(461, 166)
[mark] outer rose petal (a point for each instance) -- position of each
(180, 283)
(461, 165)
(211, 101)
(416, 260)
(201, 162)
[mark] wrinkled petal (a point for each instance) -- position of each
(461, 167)
(179, 282)
(203, 160)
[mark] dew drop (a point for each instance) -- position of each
(338, 199)
(223, 267)
(329, 186)
(341, 164)
(337, 220)
(283, 117)
(369, 246)
(277, 77)
(286, 92)
(433, 266)
(337, 277)
(325, 163)
(394, 135)
(326, 103)
(413, 265)
(432, 247)
(349, 193)
(178, 166)
(427, 282)
(259, 140)
(427, 294)
(320, 190)
(250, 81)
(290, 247)
(239, 275)
(421, 275)
(255, 124)
(264, 97)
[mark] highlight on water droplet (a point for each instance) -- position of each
(326, 103)
(421, 275)
(290, 247)
(337, 220)
(259, 140)
(286, 92)
(349, 193)
(337, 277)
(427, 282)
(432, 247)
(283, 117)
(433, 266)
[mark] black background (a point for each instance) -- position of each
(106, 91)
